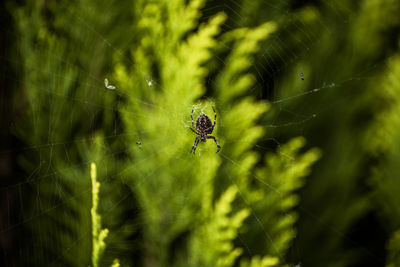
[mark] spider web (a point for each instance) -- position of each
(293, 112)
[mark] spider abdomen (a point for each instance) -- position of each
(204, 124)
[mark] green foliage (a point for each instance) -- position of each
(179, 67)
(256, 261)
(240, 207)
(212, 243)
(98, 234)
(386, 142)
(51, 167)
(115, 263)
(58, 109)
(341, 48)
(394, 250)
(284, 173)
(386, 147)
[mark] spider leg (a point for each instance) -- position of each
(215, 139)
(215, 117)
(193, 130)
(196, 141)
(192, 117)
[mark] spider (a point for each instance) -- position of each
(203, 128)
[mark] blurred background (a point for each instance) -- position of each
(307, 97)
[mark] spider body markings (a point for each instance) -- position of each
(203, 128)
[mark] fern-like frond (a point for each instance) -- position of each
(98, 234)
(212, 243)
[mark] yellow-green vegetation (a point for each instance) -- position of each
(386, 147)
(115, 263)
(393, 249)
(176, 192)
(98, 234)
